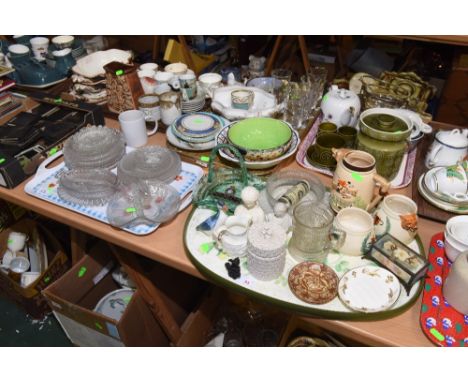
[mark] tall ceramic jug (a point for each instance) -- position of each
(354, 181)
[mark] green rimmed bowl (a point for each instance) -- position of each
(260, 139)
(385, 124)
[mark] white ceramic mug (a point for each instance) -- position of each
(231, 237)
(188, 86)
(209, 82)
(358, 226)
(448, 148)
(149, 66)
(449, 180)
(133, 125)
(147, 81)
(18, 50)
(39, 47)
(16, 241)
(397, 215)
(167, 78)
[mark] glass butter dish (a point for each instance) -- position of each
(398, 258)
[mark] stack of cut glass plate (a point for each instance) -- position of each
(93, 148)
(149, 163)
(87, 187)
(196, 131)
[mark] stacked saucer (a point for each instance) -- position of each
(195, 104)
(196, 131)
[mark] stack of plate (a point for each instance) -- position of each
(87, 187)
(445, 202)
(93, 148)
(195, 104)
(196, 131)
(149, 163)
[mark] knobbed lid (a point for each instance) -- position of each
(385, 122)
(266, 239)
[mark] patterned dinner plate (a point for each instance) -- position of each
(369, 289)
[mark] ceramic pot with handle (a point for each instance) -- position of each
(341, 107)
(354, 181)
(448, 148)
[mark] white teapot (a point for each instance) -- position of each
(340, 106)
(449, 147)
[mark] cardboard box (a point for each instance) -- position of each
(30, 298)
(9, 214)
(74, 296)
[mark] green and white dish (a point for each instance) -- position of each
(197, 125)
(257, 165)
(259, 133)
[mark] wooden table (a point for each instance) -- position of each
(166, 246)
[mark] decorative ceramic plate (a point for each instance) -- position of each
(113, 304)
(369, 289)
(211, 263)
(254, 165)
(194, 146)
(462, 210)
(313, 282)
(196, 125)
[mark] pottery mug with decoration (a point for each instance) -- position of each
(355, 180)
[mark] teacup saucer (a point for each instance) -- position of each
(443, 205)
(314, 163)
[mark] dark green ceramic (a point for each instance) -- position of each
(385, 127)
(349, 135)
(320, 154)
(327, 127)
(388, 155)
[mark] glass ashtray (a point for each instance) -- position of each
(149, 163)
(145, 202)
(87, 187)
(281, 182)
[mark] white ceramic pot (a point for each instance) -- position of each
(397, 215)
(448, 148)
(358, 226)
(341, 107)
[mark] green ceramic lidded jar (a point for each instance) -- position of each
(384, 134)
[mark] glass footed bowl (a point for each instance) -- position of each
(145, 202)
(87, 187)
(149, 163)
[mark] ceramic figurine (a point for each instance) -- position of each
(249, 206)
(256, 66)
(280, 216)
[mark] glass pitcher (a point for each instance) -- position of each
(313, 232)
